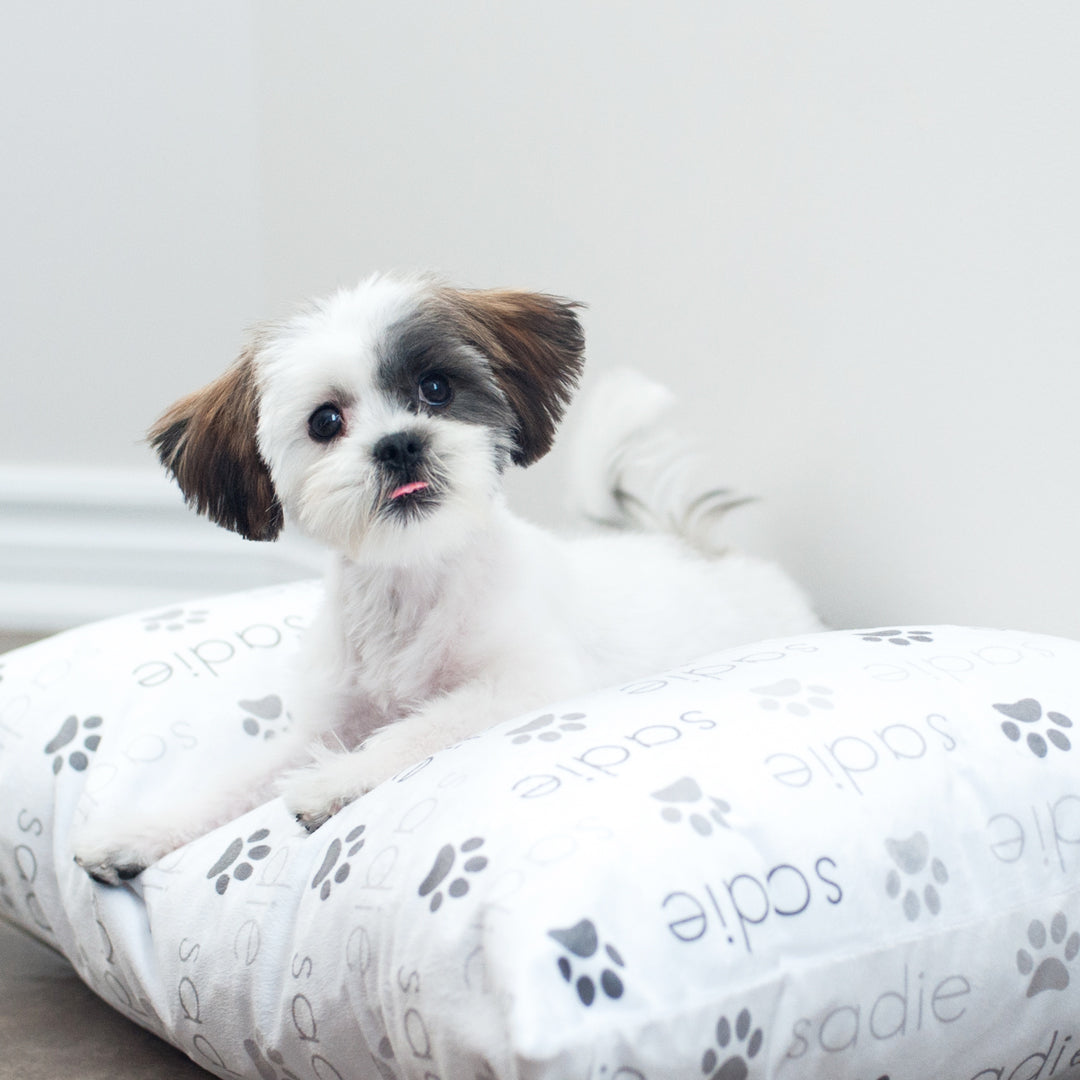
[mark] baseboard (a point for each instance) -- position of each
(78, 544)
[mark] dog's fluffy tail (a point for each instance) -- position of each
(632, 468)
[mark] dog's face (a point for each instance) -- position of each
(381, 419)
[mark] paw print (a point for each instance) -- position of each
(912, 856)
(444, 863)
(354, 840)
(582, 941)
(243, 870)
(805, 699)
(535, 729)
(266, 1065)
(265, 718)
(175, 619)
(734, 1066)
(1051, 974)
(1029, 711)
(68, 732)
(687, 791)
(896, 637)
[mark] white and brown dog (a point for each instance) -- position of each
(380, 422)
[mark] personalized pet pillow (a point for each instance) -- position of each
(841, 856)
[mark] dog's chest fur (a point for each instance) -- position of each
(407, 634)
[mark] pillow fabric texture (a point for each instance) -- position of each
(844, 856)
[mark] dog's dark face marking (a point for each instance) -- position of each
(423, 359)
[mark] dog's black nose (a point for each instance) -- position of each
(400, 452)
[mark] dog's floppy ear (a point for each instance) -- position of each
(535, 344)
(207, 441)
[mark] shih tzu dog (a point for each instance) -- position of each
(380, 421)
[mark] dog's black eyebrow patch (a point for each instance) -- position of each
(427, 342)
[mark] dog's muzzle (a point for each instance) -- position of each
(401, 458)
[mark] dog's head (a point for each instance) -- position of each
(380, 418)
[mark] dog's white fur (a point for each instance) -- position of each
(444, 611)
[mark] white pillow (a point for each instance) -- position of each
(843, 855)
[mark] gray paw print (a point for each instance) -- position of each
(267, 717)
(912, 856)
(1051, 973)
(687, 793)
(547, 728)
(175, 619)
(896, 637)
(69, 731)
(734, 1065)
(224, 871)
(792, 696)
(1029, 711)
(582, 941)
(444, 863)
(354, 841)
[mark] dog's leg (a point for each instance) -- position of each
(316, 793)
(117, 842)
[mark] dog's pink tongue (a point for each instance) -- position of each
(408, 489)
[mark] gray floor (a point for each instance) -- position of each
(53, 1028)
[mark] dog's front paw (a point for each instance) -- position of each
(110, 863)
(107, 872)
(114, 850)
(315, 794)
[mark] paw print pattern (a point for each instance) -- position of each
(1029, 711)
(896, 637)
(444, 863)
(267, 1065)
(734, 1065)
(266, 716)
(541, 728)
(354, 841)
(242, 870)
(69, 731)
(687, 793)
(1051, 973)
(583, 941)
(175, 619)
(790, 694)
(912, 856)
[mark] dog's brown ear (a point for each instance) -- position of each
(207, 441)
(535, 344)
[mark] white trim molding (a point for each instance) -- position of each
(78, 544)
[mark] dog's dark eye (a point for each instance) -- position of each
(435, 389)
(325, 422)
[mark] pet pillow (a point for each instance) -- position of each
(844, 855)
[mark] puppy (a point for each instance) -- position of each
(381, 421)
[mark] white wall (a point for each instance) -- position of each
(129, 216)
(847, 233)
